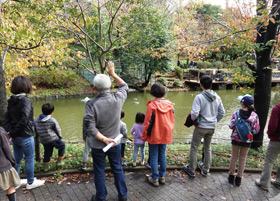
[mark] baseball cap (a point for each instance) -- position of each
(246, 99)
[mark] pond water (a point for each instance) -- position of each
(69, 113)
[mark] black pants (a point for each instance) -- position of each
(59, 144)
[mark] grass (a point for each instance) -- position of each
(176, 154)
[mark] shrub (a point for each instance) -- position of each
(208, 64)
(218, 64)
(178, 71)
(53, 77)
(162, 80)
(204, 64)
(200, 64)
(177, 83)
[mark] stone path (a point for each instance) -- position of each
(178, 187)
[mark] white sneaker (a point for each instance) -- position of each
(36, 183)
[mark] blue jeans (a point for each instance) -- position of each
(114, 156)
(24, 146)
(142, 151)
(48, 149)
(157, 155)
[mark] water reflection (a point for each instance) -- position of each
(69, 113)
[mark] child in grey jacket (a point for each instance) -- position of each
(48, 129)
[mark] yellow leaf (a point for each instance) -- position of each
(272, 20)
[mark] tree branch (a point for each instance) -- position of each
(252, 67)
(4, 57)
(86, 39)
(86, 34)
(99, 20)
(21, 48)
(228, 35)
(112, 22)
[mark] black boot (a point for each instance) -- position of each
(12, 197)
(231, 179)
(237, 181)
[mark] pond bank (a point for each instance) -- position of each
(131, 90)
(177, 156)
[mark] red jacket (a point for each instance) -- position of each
(274, 124)
(163, 126)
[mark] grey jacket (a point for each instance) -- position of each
(123, 131)
(210, 107)
(103, 115)
(47, 128)
(7, 160)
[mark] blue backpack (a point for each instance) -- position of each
(243, 128)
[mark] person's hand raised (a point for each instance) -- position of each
(111, 68)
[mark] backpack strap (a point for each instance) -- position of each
(238, 114)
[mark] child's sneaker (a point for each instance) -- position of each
(231, 179)
(238, 181)
(153, 182)
(60, 162)
(142, 163)
(134, 164)
(36, 183)
(47, 167)
(83, 166)
(161, 180)
(148, 165)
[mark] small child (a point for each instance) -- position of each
(48, 129)
(137, 131)
(87, 141)
(123, 131)
(9, 178)
(240, 146)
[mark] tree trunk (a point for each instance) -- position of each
(3, 98)
(264, 71)
(147, 80)
(262, 101)
(101, 60)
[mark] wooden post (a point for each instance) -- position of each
(37, 149)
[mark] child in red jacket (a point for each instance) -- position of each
(158, 129)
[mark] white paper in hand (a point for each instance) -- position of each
(105, 149)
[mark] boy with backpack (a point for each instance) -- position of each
(244, 123)
(48, 129)
(208, 105)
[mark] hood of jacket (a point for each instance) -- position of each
(162, 105)
(209, 95)
(15, 99)
(278, 107)
(44, 117)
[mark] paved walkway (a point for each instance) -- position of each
(178, 187)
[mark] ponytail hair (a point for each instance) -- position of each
(251, 108)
